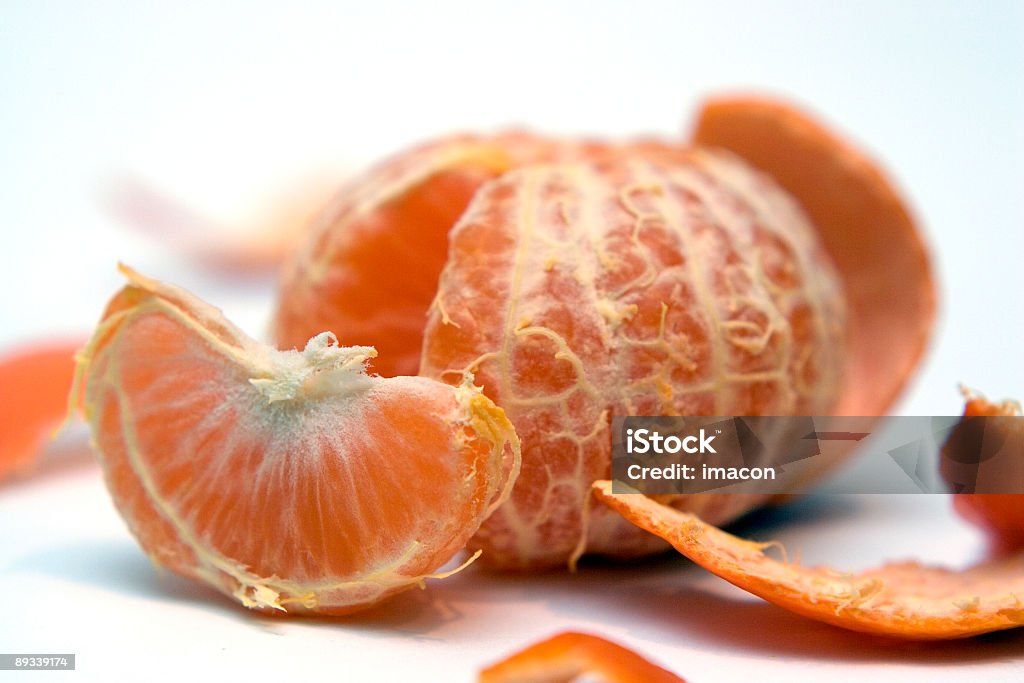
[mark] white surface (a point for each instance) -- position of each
(230, 108)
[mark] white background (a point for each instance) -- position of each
(234, 110)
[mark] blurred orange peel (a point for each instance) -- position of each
(905, 600)
(34, 385)
(1001, 515)
(570, 656)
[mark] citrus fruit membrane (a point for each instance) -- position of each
(291, 481)
(1000, 514)
(570, 656)
(592, 292)
(905, 600)
(33, 401)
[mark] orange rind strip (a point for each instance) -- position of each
(1000, 514)
(568, 656)
(904, 600)
(865, 224)
(34, 386)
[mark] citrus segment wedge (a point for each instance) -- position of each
(291, 481)
(905, 600)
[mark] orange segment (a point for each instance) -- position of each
(291, 481)
(368, 268)
(905, 600)
(34, 385)
(579, 291)
(570, 656)
(1002, 515)
(866, 228)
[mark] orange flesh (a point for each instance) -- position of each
(324, 502)
(368, 268)
(567, 656)
(905, 600)
(866, 228)
(1002, 515)
(575, 292)
(34, 386)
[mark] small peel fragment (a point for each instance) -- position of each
(34, 384)
(999, 514)
(903, 600)
(569, 656)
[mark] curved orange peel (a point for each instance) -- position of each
(866, 227)
(569, 655)
(33, 400)
(1000, 514)
(905, 600)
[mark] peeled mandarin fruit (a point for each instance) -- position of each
(571, 656)
(692, 285)
(1000, 514)
(904, 600)
(575, 292)
(290, 481)
(33, 400)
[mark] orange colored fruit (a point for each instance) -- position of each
(1000, 514)
(904, 600)
(578, 292)
(33, 400)
(291, 481)
(571, 656)
(610, 286)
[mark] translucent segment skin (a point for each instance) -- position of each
(574, 292)
(571, 656)
(903, 600)
(325, 500)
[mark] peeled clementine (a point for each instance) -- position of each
(747, 275)
(575, 292)
(290, 481)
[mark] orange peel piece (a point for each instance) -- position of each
(905, 600)
(34, 400)
(866, 227)
(569, 655)
(1000, 514)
